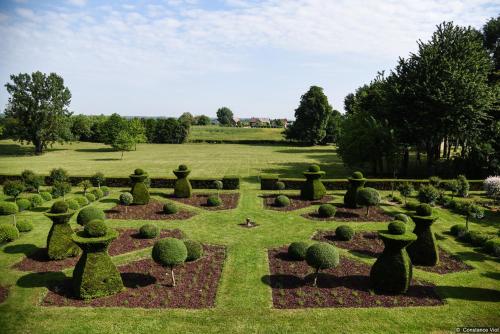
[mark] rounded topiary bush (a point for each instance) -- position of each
(105, 190)
(169, 252)
(344, 232)
(8, 208)
(313, 168)
(23, 204)
(458, 230)
(194, 249)
(214, 200)
(217, 184)
(24, 225)
(428, 194)
(320, 256)
(492, 246)
(139, 171)
(95, 228)
(396, 227)
(367, 197)
(279, 185)
(82, 201)
(88, 214)
(326, 210)
(298, 250)
(170, 208)
(402, 217)
(46, 196)
(8, 233)
(126, 198)
(281, 201)
(36, 200)
(97, 193)
(424, 210)
(411, 205)
(149, 231)
(478, 239)
(90, 197)
(357, 175)
(59, 207)
(73, 204)
(182, 167)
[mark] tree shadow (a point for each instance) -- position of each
(17, 149)
(40, 209)
(475, 256)
(283, 281)
(42, 279)
(137, 280)
(26, 249)
(95, 150)
(109, 200)
(107, 159)
(470, 293)
(492, 275)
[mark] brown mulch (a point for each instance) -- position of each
(368, 243)
(295, 202)
(127, 241)
(229, 201)
(353, 215)
(4, 293)
(149, 285)
(347, 285)
(151, 211)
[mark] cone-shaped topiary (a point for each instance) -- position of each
(281, 201)
(322, 255)
(139, 191)
(95, 275)
(313, 188)
(8, 233)
(344, 233)
(149, 231)
(183, 187)
(170, 252)
(298, 250)
(59, 242)
(356, 181)
(424, 250)
(194, 249)
(89, 213)
(392, 272)
(326, 210)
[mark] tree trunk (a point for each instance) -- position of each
(467, 223)
(315, 277)
(367, 210)
(445, 147)
(173, 277)
(38, 146)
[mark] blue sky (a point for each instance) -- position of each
(166, 57)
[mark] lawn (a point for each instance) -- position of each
(219, 133)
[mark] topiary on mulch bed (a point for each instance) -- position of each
(154, 210)
(344, 214)
(313, 189)
(139, 190)
(296, 202)
(147, 286)
(59, 242)
(229, 201)
(183, 187)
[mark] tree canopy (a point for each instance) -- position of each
(225, 116)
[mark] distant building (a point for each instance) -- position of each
(279, 123)
(260, 122)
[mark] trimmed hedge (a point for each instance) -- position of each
(183, 188)
(458, 230)
(402, 217)
(59, 240)
(424, 250)
(396, 227)
(95, 228)
(313, 188)
(126, 198)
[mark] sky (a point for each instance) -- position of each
(167, 57)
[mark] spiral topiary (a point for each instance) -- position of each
(73, 204)
(402, 217)
(313, 188)
(46, 196)
(182, 187)
(59, 242)
(126, 198)
(8, 233)
(89, 213)
(424, 210)
(396, 227)
(90, 197)
(281, 201)
(298, 250)
(8, 208)
(424, 250)
(194, 249)
(24, 225)
(149, 231)
(169, 252)
(344, 233)
(214, 200)
(327, 210)
(356, 181)
(170, 208)
(36, 200)
(23, 204)
(139, 191)
(320, 256)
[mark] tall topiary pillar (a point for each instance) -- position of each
(392, 272)
(356, 181)
(424, 251)
(183, 187)
(59, 242)
(95, 275)
(313, 188)
(139, 190)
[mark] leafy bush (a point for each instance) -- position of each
(367, 197)
(492, 186)
(423, 210)
(13, 188)
(88, 214)
(23, 204)
(279, 185)
(98, 179)
(8, 233)
(31, 180)
(105, 190)
(396, 227)
(435, 181)
(492, 246)
(313, 169)
(36, 200)
(46, 196)
(58, 175)
(95, 228)
(214, 200)
(126, 198)
(476, 238)
(90, 197)
(98, 193)
(59, 207)
(297, 250)
(458, 230)
(472, 210)
(411, 205)
(73, 204)
(169, 252)
(344, 232)
(405, 189)
(24, 225)
(428, 194)
(8, 208)
(326, 210)
(402, 217)
(395, 198)
(452, 186)
(170, 208)
(85, 184)
(320, 256)
(60, 189)
(149, 231)
(194, 249)
(281, 201)
(82, 201)
(463, 186)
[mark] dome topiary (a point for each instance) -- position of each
(214, 200)
(82, 201)
(344, 232)
(139, 171)
(320, 256)
(194, 249)
(279, 185)
(357, 175)
(396, 227)
(97, 193)
(281, 201)
(95, 228)
(367, 197)
(8, 208)
(24, 225)
(149, 231)
(126, 198)
(46, 196)
(73, 204)
(458, 230)
(170, 208)
(326, 210)
(36, 200)
(105, 190)
(88, 214)
(169, 252)
(424, 210)
(23, 204)
(313, 168)
(59, 207)
(182, 167)
(402, 217)
(297, 250)
(90, 197)
(8, 233)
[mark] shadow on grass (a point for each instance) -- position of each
(40, 209)
(470, 293)
(476, 256)
(107, 159)
(109, 200)
(492, 275)
(16, 149)
(26, 249)
(95, 150)
(41, 280)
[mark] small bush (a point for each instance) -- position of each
(13, 188)
(396, 227)
(23, 204)
(458, 230)
(402, 217)
(59, 207)
(279, 185)
(98, 179)
(423, 210)
(357, 175)
(82, 201)
(24, 225)
(149, 231)
(31, 180)
(73, 204)
(411, 205)
(367, 197)
(492, 186)
(36, 200)
(326, 210)
(322, 255)
(314, 169)
(88, 214)
(139, 171)
(478, 239)
(58, 175)
(95, 228)
(126, 198)
(90, 197)
(8, 233)
(170, 208)
(105, 190)
(405, 189)
(169, 252)
(463, 186)
(46, 196)
(98, 193)
(435, 181)
(8, 208)
(395, 198)
(344, 232)
(214, 200)
(194, 249)
(281, 201)
(297, 250)
(492, 246)
(428, 194)
(60, 189)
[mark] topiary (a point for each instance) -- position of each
(8, 208)
(36, 200)
(82, 201)
(217, 184)
(428, 194)
(73, 204)
(88, 214)
(279, 185)
(58, 175)
(402, 217)
(478, 239)
(396, 227)
(326, 210)
(149, 231)
(169, 252)
(59, 207)
(298, 250)
(424, 250)
(344, 232)
(97, 193)
(322, 255)
(313, 168)
(24, 226)
(105, 190)
(458, 230)
(13, 188)
(182, 187)
(31, 180)
(139, 171)
(214, 200)
(98, 179)
(356, 181)
(59, 240)
(194, 249)
(46, 196)
(281, 201)
(463, 186)
(182, 167)
(90, 197)
(424, 210)
(95, 228)
(23, 204)
(357, 175)
(139, 191)
(411, 205)
(8, 233)
(313, 188)
(492, 246)
(126, 198)
(170, 208)
(367, 197)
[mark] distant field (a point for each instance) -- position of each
(205, 160)
(220, 133)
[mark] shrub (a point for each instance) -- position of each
(402, 217)
(424, 210)
(396, 227)
(73, 204)
(357, 175)
(8, 208)
(24, 225)
(98, 193)
(297, 250)
(139, 189)
(46, 196)
(126, 198)
(169, 252)
(60, 189)
(411, 205)
(214, 200)
(8, 233)
(395, 198)
(463, 186)
(13, 188)
(88, 214)
(424, 250)
(139, 171)
(58, 175)
(182, 167)
(428, 194)
(194, 249)
(327, 210)
(90, 197)
(170, 208)
(458, 230)
(59, 241)
(344, 232)
(367, 197)
(85, 184)
(217, 184)
(313, 188)
(452, 186)
(322, 255)
(182, 188)
(472, 210)
(82, 201)
(23, 204)
(36, 200)
(435, 181)
(313, 169)
(492, 187)
(478, 239)
(105, 190)
(98, 179)
(405, 189)
(95, 228)
(281, 201)
(31, 180)
(492, 246)
(149, 231)
(279, 185)
(59, 207)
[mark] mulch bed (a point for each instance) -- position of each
(368, 243)
(229, 201)
(344, 286)
(353, 215)
(295, 202)
(151, 211)
(4, 293)
(128, 241)
(148, 285)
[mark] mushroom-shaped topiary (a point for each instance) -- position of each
(326, 210)
(313, 188)
(356, 181)
(344, 233)
(402, 217)
(170, 208)
(367, 197)
(194, 249)
(397, 227)
(424, 210)
(183, 187)
(170, 252)
(424, 250)
(149, 231)
(320, 256)
(298, 250)
(89, 213)
(214, 200)
(59, 242)
(281, 201)
(139, 191)
(95, 228)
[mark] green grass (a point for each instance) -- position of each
(219, 133)
(244, 303)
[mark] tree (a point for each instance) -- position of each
(405, 189)
(137, 130)
(225, 116)
(98, 178)
(311, 117)
(31, 180)
(472, 210)
(13, 188)
(113, 125)
(491, 40)
(85, 184)
(37, 108)
(202, 120)
(123, 142)
(170, 131)
(81, 127)
(186, 118)
(333, 127)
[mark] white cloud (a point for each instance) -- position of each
(78, 2)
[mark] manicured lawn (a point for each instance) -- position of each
(244, 301)
(211, 132)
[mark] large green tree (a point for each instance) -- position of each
(225, 116)
(37, 109)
